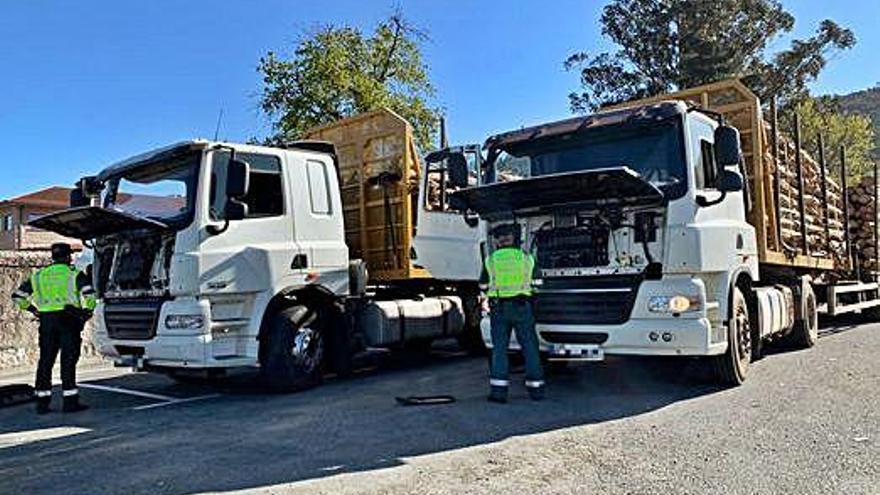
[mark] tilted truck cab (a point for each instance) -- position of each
(608, 206)
(652, 227)
(212, 255)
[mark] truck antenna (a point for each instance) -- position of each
(219, 120)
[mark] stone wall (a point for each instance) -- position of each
(18, 329)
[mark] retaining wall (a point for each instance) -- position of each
(18, 329)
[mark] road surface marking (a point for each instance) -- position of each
(17, 438)
(175, 401)
(120, 390)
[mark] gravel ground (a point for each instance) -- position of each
(805, 422)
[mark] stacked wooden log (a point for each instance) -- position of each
(862, 222)
(822, 199)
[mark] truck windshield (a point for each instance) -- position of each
(161, 191)
(655, 152)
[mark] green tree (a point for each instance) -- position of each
(337, 72)
(867, 103)
(854, 132)
(665, 45)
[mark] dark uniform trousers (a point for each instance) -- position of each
(60, 330)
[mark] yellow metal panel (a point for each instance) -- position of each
(369, 145)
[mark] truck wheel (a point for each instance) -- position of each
(805, 333)
(732, 366)
(294, 351)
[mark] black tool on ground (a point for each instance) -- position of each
(12, 395)
(429, 400)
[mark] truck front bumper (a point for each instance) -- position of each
(213, 344)
(650, 337)
(647, 329)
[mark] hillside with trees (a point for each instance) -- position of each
(867, 103)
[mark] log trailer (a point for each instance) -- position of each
(682, 225)
(213, 255)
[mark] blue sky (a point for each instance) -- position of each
(90, 82)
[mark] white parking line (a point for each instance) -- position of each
(166, 400)
(119, 390)
(175, 401)
(17, 438)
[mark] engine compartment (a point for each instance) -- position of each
(133, 264)
(584, 245)
(595, 242)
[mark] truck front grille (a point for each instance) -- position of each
(597, 300)
(132, 320)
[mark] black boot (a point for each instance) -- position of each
(536, 393)
(43, 405)
(72, 404)
(497, 394)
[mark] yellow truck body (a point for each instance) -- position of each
(380, 171)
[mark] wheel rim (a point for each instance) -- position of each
(307, 349)
(743, 334)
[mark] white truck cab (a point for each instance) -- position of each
(637, 219)
(212, 255)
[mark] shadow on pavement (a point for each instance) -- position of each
(247, 439)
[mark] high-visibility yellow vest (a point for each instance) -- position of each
(54, 288)
(510, 273)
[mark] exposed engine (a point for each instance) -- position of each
(594, 242)
(133, 264)
(584, 245)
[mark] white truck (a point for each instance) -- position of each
(213, 255)
(649, 241)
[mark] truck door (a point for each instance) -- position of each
(318, 219)
(253, 254)
(445, 244)
(701, 144)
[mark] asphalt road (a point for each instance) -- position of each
(805, 422)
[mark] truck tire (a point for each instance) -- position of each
(805, 332)
(732, 367)
(293, 351)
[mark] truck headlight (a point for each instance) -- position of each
(184, 321)
(673, 304)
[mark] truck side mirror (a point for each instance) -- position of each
(727, 151)
(457, 168)
(84, 190)
(238, 175)
(730, 181)
(235, 210)
(78, 199)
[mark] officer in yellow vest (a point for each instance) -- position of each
(508, 271)
(63, 299)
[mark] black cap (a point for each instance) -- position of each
(61, 251)
(505, 229)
